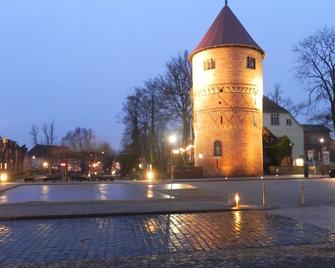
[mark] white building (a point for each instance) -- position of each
(280, 123)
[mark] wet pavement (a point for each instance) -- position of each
(279, 193)
(100, 239)
(288, 237)
(79, 192)
(6, 186)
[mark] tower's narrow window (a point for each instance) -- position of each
(274, 119)
(251, 63)
(209, 64)
(217, 148)
(289, 122)
(221, 120)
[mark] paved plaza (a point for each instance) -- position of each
(284, 235)
(279, 193)
(142, 239)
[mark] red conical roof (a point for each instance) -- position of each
(227, 30)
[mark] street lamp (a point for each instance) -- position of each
(322, 140)
(172, 140)
(3, 177)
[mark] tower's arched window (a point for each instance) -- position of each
(251, 63)
(209, 64)
(217, 148)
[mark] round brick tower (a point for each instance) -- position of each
(227, 100)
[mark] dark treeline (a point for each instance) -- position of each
(159, 107)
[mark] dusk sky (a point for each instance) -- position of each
(75, 61)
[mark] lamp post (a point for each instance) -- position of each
(172, 140)
(322, 140)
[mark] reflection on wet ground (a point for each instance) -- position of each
(82, 192)
(97, 238)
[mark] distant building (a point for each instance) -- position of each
(60, 159)
(48, 158)
(280, 123)
(319, 146)
(12, 156)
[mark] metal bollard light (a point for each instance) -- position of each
(302, 195)
(263, 195)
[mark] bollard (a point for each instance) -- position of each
(306, 171)
(302, 195)
(263, 196)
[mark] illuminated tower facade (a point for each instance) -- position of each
(227, 100)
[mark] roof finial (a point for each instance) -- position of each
(226, 3)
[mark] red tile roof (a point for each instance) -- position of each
(227, 30)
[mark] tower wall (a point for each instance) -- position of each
(227, 106)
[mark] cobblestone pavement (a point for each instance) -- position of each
(199, 240)
(288, 257)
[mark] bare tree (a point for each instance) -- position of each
(80, 140)
(176, 85)
(161, 102)
(277, 96)
(154, 106)
(316, 68)
(34, 133)
(48, 132)
(132, 134)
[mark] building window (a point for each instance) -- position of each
(289, 122)
(251, 63)
(217, 148)
(274, 119)
(209, 64)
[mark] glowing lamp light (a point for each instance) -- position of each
(3, 177)
(173, 139)
(63, 165)
(150, 175)
(237, 201)
(299, 162)
(175, 151)
(96, 164)
(190, 147)
(45, 164)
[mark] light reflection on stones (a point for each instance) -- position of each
(3, 199)
(151, 225)
(151, 235)
(103, 192)
(237, 219)
(150, 194)
(45, 189)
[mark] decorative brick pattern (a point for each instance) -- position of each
(227, 103)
